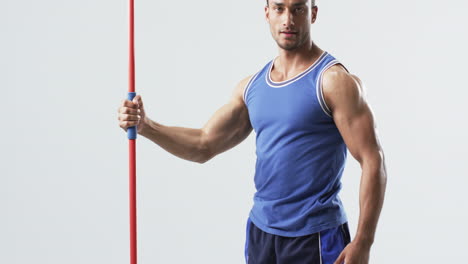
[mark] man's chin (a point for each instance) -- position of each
(289, 46)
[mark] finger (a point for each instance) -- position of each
(127, 124)
(128, 103)
(127, 110)
(126, 117)
(340, 259)
(138, 100)
(135, 100)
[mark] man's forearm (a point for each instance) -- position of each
(185, 143)
(371, 197)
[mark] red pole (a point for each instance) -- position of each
(133, 218)
(132, 143)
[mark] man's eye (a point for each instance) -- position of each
(299, 9)
(278, 9)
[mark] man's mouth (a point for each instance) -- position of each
(288, 33)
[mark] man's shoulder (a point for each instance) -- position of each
(245, 81)
(338, 84)
(239, 90)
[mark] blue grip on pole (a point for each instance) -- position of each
(131, 131)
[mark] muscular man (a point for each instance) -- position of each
(306, 110)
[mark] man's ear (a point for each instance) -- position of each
(314, 14)
(267, 13)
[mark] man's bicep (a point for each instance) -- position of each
(358, 131)
(229, 125)
(353, 116)
(228, 121)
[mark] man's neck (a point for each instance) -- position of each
(293, 60)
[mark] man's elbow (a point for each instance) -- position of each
(375, 161)
(382, 168)
(204, 153)
(202, 158)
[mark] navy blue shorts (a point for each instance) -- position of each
(323, 247)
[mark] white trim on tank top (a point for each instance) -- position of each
(319, 87)
(247, 87)
(274, 84)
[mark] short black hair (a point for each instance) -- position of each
(313, 2)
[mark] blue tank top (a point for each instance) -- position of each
(300, 153)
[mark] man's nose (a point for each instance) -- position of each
(288, 20)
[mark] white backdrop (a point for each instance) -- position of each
(63, 158)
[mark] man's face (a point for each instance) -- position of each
(290, 22)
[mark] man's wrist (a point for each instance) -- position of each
(364, 242)
(144, 126)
